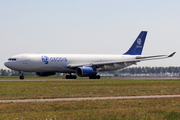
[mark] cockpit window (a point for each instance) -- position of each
(12, 59)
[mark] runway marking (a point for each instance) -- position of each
(89, 98)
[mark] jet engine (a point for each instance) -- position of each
(44, 74)
(86, 71)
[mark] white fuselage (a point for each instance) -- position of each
(63, 62)
(84, 65)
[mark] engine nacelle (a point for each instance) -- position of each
(86, 71)
(44, 74)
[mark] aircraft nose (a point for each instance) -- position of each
(7, 64)
(10, 65)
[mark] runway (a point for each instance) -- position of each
(88, 98)
(86, 79)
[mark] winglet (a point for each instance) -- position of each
(171, 55)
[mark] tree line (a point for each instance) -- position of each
(4, 72)
(130, 70)
(150, 70)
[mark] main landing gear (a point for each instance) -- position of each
(21, 75)
(71, 76)
(95, 77)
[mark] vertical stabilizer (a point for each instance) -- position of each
(137, 47)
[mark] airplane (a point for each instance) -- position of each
(82, 65)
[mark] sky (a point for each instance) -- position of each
(90, 27)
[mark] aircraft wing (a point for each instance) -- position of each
(144, 58)
(124, 62)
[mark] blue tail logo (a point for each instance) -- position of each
(139, 41)
(137, 47)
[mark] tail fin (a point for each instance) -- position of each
(137, 47)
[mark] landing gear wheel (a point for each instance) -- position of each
(92, 77)
(74, 76)
(98, 76)
(21, 77)
(67, 77)
(71, 76)
(95, 77)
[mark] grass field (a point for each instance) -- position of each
(90, 88)
(163, 108)
(138, 109)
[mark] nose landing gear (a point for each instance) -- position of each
(21, 75)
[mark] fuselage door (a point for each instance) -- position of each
(24, 59)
